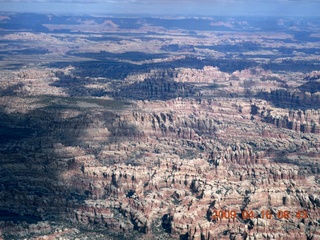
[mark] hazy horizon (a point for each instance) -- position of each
(180, 7)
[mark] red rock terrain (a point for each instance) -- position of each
(101, 139)
(161, 168)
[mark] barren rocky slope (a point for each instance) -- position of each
(169, 134)
(160, 168)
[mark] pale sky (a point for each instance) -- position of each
(166, 7)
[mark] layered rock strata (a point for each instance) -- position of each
(168, 163)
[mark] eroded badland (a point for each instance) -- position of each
(142, 128)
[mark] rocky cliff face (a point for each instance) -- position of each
(298, 120)
(292, 99)
(159, 128)
(155, 88)
(161, 168)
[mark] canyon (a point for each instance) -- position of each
(104, 145)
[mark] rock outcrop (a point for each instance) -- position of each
(168, 162)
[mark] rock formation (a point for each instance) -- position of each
(159, 133)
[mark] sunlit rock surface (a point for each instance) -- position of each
(124, 145)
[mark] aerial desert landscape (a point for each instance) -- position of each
(126, 127)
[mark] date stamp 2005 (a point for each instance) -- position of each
(265, 214)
